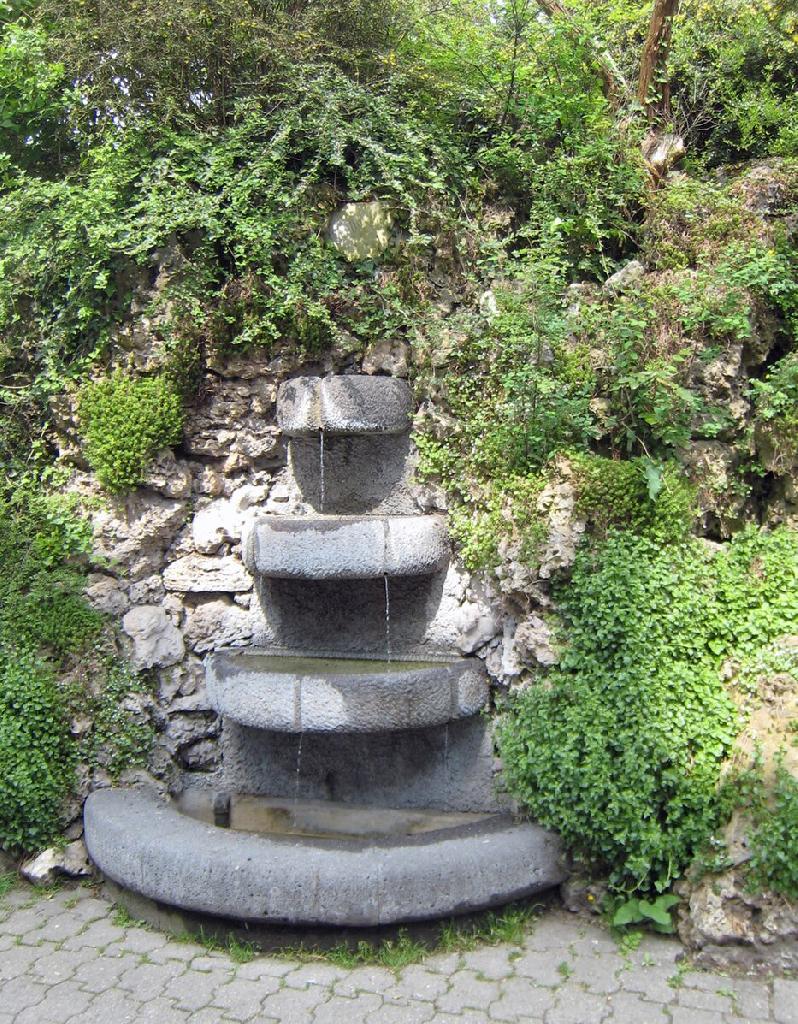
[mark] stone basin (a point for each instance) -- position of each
(343, 405)
(345, 547)
(320, 819)
(289, 693)
(146, 845)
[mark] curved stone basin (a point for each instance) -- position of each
(347, 404)
(286, 693)
(345, 547)
(148, 846)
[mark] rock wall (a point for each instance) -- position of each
(173, 576)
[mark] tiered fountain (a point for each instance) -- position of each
(358, 777)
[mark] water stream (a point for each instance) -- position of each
(387, 618)
(298, 774)
(321, 469)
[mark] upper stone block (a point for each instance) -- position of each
(345, 547)
(344, 405)
(361, 231)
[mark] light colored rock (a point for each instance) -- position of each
(134, 532)
(533, 640)
(222, 521)
(106, 594)
(626, 277)
(204, 574)
(387, 356)
(167, 476)
(663, 150)
(724, 925)
(150, 590)
(361, 231)
(217, 623)
(46, 867)
(156, 642)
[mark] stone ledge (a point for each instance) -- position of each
(149, 847)
(301, 694)
(346, 547)
(356, 404)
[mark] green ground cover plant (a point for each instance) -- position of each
(621, 746)
(125, 420)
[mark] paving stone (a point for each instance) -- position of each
(520, 999)
(592, 938)
(629, 1008)
(22, 922)
(573, 1006)
(184, 952)
(651, 982)
(364, 979)
(750, 998)
(704, 999)
(408, 1013)
(60, 1003)
(97, 934)
(104, 972)
(192, 990)
(688, 1015)
(785, 1000)
(491, 962)
(20, 993)
(663, 951)
(112, 1007)
(356, 1010)
(264, 967)
(552, 931)
(19, 959)
(314, 974)
(543, 968)
(598, 973)
(444, 963)
(469, 1017)
(295, 1005)
(468, 992)
(138, 940)
(60, 964)
(240, 999)
(149, 980)
(213, 962)
(416, 982)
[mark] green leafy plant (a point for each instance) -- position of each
(125, 420)
(774, 840)
(36, 755)
(656, 912)
(621, 746)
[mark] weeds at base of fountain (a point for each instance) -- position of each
(394, 949)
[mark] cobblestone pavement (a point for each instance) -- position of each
(67, 957)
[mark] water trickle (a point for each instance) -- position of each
(298, 774)
(446, 753)
(387, 618)
(321, 469)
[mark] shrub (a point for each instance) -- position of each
(774, 842)
(36, 755)
(776, 412)
(620, 747)
(42, 542)
(125, 420)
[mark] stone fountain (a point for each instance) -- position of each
(358, 783)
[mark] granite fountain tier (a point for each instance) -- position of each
(311, 866)
(327, 547)
(295, 693)
(358, 782)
